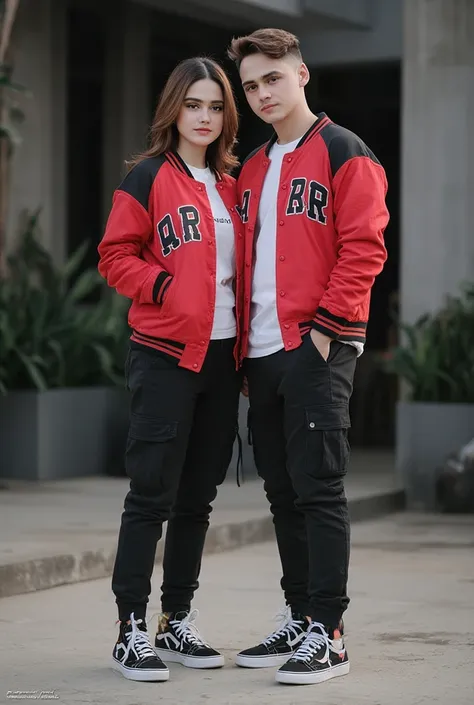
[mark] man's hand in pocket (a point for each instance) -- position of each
(321, 342)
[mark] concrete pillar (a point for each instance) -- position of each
(437, 239)
(136, 103)
(127, 91)
(38, 168)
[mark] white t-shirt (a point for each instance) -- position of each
(224, 318)
(265, 333)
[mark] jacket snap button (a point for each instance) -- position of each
(282, 222)
(287, 325)
(195, 365)
(290, 344)
(282, 293)
(312, 424)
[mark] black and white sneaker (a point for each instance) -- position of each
(134, 656)
(319, 658)
(178, 639)
(279, 645)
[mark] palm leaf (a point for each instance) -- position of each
(32, 369)
(86, 283)
(74, 262)
(436, 357)
(48, 336)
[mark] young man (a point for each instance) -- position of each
(313, 208)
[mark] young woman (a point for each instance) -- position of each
(173, 245)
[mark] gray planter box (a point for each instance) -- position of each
(62, 433)
(426, 434)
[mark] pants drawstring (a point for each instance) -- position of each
(240, 459)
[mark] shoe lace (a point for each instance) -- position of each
(138, 639)
(316, 639)
(186, 629)
(287, 627)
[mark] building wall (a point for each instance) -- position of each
(294, 15)
(39, 166)
(438, 153)
(38, 169)
(127, 98)
(347, 14)
(39, 175)
(380, 41)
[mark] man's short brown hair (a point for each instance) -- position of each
(274, 43)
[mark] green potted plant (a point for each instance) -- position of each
(62, 399)
(436, 417)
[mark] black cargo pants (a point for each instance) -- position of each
(182, 430)
(299, 416)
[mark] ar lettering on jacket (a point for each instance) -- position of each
(310, 197)
(190, 220)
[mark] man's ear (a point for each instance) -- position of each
(303, 75)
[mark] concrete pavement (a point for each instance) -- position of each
(53, 533)
(410, 627)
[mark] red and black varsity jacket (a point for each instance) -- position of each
(159, 249)
(331, 217)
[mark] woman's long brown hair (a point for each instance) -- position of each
(163, 132)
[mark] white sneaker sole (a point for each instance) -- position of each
(272, 661)
(135, 674)
(190, 661)
(312, 677)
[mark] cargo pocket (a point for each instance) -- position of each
(148, 449)
(152, 429)
(327, 444)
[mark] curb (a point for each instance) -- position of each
(66, 569)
